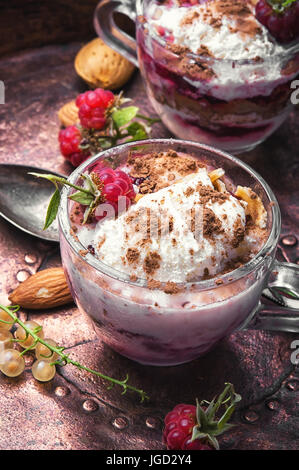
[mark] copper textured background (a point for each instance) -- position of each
(75, 410)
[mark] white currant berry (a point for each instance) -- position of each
(12, 363)
(7, 318)
(45, 354)
(43, 371)
(20, 334)
(6, 340)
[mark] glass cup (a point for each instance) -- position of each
(152, 327)
(237, 107)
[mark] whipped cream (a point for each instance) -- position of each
(194, 238)
(224, 41)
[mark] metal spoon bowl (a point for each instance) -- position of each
(24, 200)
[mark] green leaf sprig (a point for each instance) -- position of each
(121, 126)
(207, 427)
(89, 195)
(64, 358)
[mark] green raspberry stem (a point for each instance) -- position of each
(56, 179)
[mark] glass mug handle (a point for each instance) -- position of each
(111, 34)
(282, 289)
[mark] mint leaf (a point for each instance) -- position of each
(137, 131)
(123, 116)
(82, 198)
(52, 209)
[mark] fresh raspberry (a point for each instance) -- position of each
(106, 175)
(282, 22)
(69, 140)
(121, 174)
(123, 184)
(112, 192)
(179, 426)
(117, 189)
(116, 182)
(93, 107)
(189, 427)
(188, 444)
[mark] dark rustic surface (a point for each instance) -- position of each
(75, 410)
(41, 23)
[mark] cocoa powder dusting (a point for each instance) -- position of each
(208, 194)
(171, 288)
(211, 224)
(203, 50)
(161, 169)
(188, 192)
(83, 253)
(132, 255)
(101, 242)
(153, 284)
(189, 18)
(151, 262)
(239, 233)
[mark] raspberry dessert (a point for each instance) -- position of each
(163, 225)
(219, 71)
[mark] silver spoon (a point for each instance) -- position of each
(24, 200)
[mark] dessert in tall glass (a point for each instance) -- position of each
(219, 72)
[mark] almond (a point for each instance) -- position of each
(101, 66)
(45, 289)
(68, 114)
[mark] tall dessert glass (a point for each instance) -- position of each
(230, 104)
(157, 328)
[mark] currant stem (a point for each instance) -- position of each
(59, 350)
(146, 118)
(57, 179)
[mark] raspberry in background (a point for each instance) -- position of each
(190, 427)
(93, 106)
(284, 24)
(69, 141)
(103, 123)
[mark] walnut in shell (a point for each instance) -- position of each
(102, 67)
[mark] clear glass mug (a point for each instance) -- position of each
(234, 114)
(152, 327)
